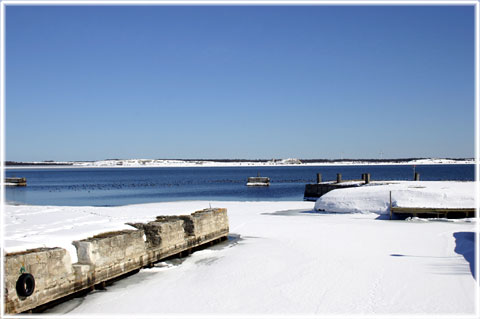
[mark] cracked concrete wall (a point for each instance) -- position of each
(209, 222)
(110, 248)
(162, 234)
(109, 255)
(51, 269)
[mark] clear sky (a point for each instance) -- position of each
(98, 82)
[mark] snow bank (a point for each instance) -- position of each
(375, 197)
(282, 258)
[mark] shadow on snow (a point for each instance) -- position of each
(465, 245)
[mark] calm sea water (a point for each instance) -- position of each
(121, 186)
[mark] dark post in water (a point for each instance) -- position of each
(366, 178)
(416, 177)
(390, 205)
(339, 178)
(319, 178)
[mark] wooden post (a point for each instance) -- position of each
(416, 177)
(339, 178)
(367, 178)
(390, 205)
(363, 176)
(319, 178)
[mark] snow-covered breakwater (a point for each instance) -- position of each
(38, 276)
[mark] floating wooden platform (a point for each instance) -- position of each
(15, 181)
(258, 181)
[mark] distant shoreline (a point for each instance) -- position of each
(136, 163)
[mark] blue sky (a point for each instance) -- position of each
(97, 82)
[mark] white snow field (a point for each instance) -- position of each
(282, 258)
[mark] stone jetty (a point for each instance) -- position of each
(38, 277)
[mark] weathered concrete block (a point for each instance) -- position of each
(164, 232)
(210, 222)
(50, 267)
(110, 248)
(207, 222)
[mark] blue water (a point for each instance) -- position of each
(121, 186)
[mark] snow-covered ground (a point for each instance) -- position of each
(212, 163)
(375, 197)
(282, 258)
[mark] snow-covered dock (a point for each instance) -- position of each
(412, 197)
(314, 191)
(36, 277)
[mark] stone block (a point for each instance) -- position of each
(210, 221)
(108, 248)
(48, 266)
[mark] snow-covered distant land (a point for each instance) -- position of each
(284, 257)
(234, 163)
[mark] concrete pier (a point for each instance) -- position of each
(37, 277)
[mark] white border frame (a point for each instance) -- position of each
(475, 3)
